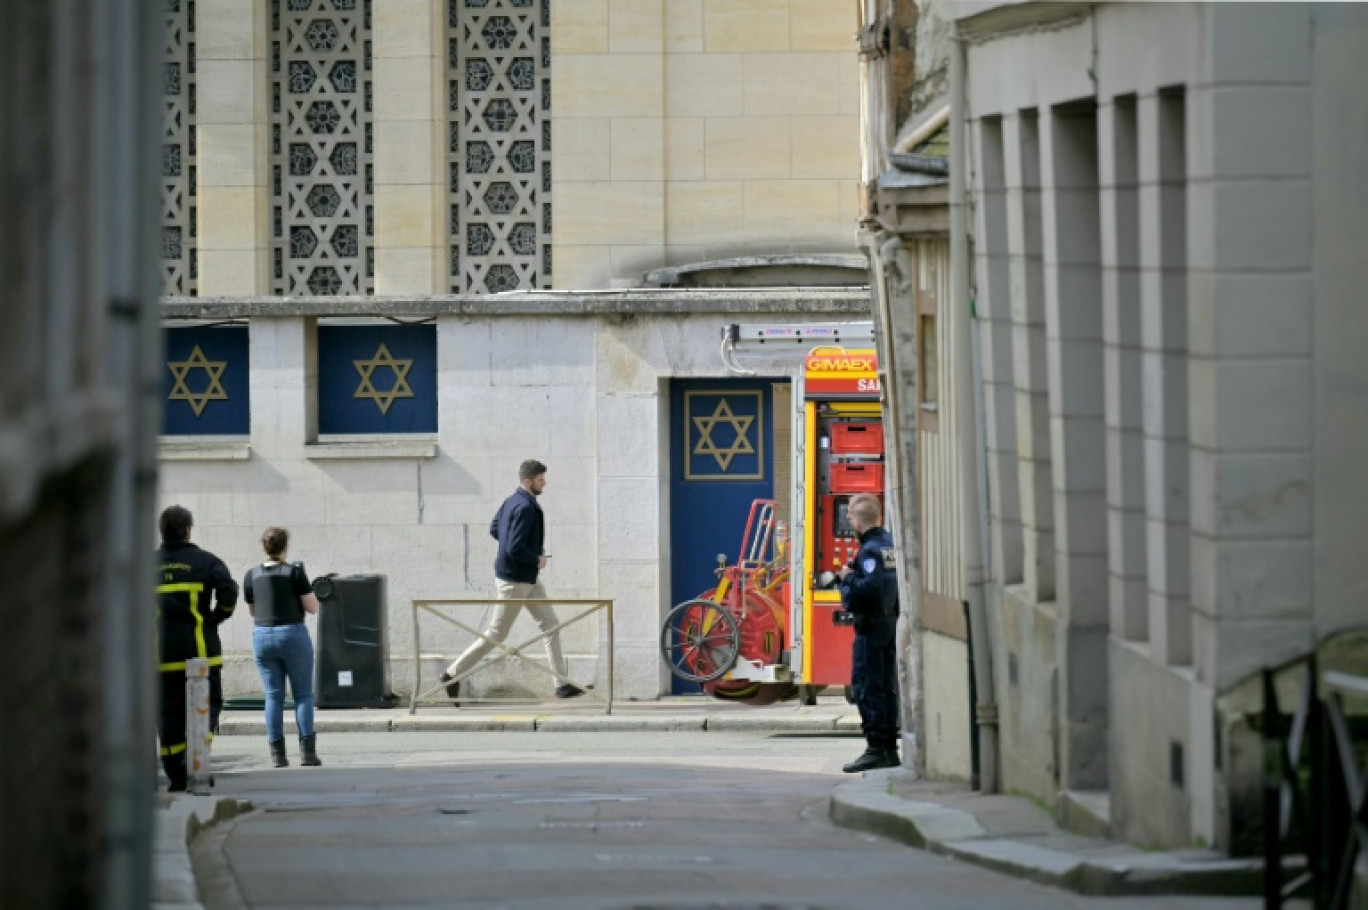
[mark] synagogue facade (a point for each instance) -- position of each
(407, 245)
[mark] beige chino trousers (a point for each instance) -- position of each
(501, 623)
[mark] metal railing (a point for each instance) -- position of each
(1313, 791)
(590, 607)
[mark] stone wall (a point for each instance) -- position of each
(690, 130)
(1171, 484)
(77, 362)
(677, 131)
(580, 383)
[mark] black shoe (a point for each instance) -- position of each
(872, 759)
(177, 786)
(568, 691)
(453, 688)
(278, 757)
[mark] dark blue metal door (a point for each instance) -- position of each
(721, 459)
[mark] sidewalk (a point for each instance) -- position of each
(1015, 836)
(681, 713)
(179, 819)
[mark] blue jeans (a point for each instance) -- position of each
(282, 651)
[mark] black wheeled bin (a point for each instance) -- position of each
(352, 670)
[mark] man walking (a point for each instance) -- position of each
(188, 578)
(519, 528)
(869, 590)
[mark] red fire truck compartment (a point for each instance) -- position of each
(857, 477)
(857, 438)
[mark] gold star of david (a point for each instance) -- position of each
(741, 445)
(213, 368)
(367, 389)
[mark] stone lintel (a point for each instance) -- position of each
(854, 302)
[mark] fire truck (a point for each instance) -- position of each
(772, 627)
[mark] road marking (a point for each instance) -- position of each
(579, 799)
(664, 858)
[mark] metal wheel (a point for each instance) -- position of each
(700, 641)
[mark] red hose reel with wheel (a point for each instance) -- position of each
(744, 618)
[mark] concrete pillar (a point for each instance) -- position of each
(1021, 169)
(1163, 292)
(1118, 175)
(1072, 263)
(409, 111)
(1251, 292)
(993, 304)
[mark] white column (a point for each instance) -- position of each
(1117, 170)
(1021, 166)
(1163, 293)
(993, 304)
(1073, 327)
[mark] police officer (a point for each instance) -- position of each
(869, 591)
(188, 579)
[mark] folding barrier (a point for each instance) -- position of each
(436, 694)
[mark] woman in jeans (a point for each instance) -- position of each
(278, 595)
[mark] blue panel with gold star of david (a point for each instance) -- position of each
(377, 379)
(724, 434)
(204, 382)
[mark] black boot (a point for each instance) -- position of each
(453, 689)
(871, 759)
(174, 766)
(278, 758)
(307, 756)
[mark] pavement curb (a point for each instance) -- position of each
(826, 722)
(869, 804)
(180, 821)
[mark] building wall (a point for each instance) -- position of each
(947, 738)
(680, 130)
(676, 131)
(949, 714)
(77, 470)
(586, 394)
(690, 130)
(1164, 213)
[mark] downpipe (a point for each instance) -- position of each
(967, 377)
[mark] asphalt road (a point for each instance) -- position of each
(593, 821)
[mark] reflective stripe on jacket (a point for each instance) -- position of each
(195, 593)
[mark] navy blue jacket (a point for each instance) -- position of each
(871, 588)
(519, 529)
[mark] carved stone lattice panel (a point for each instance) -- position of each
(180, 264)
(322, 220)
(499, 144)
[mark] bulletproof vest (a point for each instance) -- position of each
(275, 602)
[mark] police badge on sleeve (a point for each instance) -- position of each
(890, 560)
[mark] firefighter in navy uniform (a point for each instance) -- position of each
(869, 591)
(188, 581)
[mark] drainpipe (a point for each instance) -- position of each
(967, 436)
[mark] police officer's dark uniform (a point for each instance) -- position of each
(870, 593)
(188, 578)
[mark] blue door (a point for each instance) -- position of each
(721, 459)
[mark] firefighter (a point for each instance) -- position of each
(869, 591)
(188, 579)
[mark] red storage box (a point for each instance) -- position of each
(862, 438)
(857, 477)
